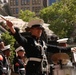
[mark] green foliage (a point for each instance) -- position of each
(9, 39)
(27, 15)
(61, 16)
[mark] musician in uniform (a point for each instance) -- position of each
(6, 52)
(3, 60)
(19, 64)
(64, 43)
(35, 47)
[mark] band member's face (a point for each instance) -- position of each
(36, 31)
(21, 53)
(63, 44)
(7, 53)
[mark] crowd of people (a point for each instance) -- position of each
(33, 47)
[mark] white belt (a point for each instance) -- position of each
(22, 69)
(4, 68)
(34, 59)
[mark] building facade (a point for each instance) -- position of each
(32, 5)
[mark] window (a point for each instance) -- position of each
(25, 2)
(36, 9)
(36, 2)
(12, 10)
(15, 10)
(16, 1)
(22, 2)
(11, 2)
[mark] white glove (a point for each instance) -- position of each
(73, 49)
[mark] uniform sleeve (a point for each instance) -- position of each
(65, 49)
(55, 49)
(20, 39)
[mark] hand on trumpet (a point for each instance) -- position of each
(73, 49)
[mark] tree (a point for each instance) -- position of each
(27, 15)
(61, 16)
(9, 39)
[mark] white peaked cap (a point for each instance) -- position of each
(19, 48)
(6, 48)
(64, 40)
(35, 22)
